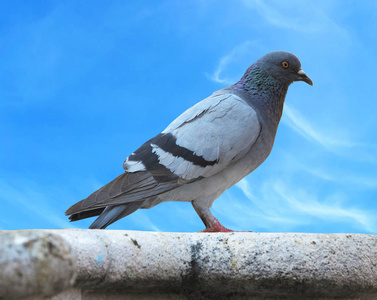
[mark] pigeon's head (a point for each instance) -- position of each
(283, 66)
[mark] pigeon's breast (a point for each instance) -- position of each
(251, 160)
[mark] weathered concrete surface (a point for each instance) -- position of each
(144, 265)
(34, 263)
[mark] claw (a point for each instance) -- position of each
(216, 227)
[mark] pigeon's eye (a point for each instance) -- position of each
(285, 64)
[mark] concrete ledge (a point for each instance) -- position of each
(106, 264)
(34, 263)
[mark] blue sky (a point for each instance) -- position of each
(85, 83)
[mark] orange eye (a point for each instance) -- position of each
(285, 64)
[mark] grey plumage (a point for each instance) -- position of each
(206, 150)
(113, 213)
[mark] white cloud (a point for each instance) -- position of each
(259, 213)
(301, 125)
(244, 185)
(344, 177)
(285, 208)
(327, 138)
(302, 202)
(296, 15)
(236, 61)
(238, 214)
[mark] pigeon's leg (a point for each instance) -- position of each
(211, 223)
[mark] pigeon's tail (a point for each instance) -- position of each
(86, 214)
(113, 213)
(121, 197)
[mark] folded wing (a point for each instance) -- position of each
(202, 141)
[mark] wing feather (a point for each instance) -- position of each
(225, 128)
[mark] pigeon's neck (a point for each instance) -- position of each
(266, 92)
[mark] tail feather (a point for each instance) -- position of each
(86, 214)
(121, 197)
(113, 213)
(126, 188)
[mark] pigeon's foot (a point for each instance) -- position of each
(211, 223)
(216, 227)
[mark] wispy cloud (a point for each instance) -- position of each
(237, 213)
(332, 209)
(296, 15)
(344, 177)
(327, 138)
(240, 56)
(300, 124)
(260, 212)
(34, 202)
(283, 207)
(141, 219)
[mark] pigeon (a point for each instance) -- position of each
(203, 152)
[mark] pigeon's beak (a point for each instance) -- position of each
(303, 77)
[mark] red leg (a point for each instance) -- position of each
(211, 223)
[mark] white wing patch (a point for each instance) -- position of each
(133, 166)
(178, 165)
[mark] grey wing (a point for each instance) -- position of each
(202, 141)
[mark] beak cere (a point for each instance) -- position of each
(303, 77)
